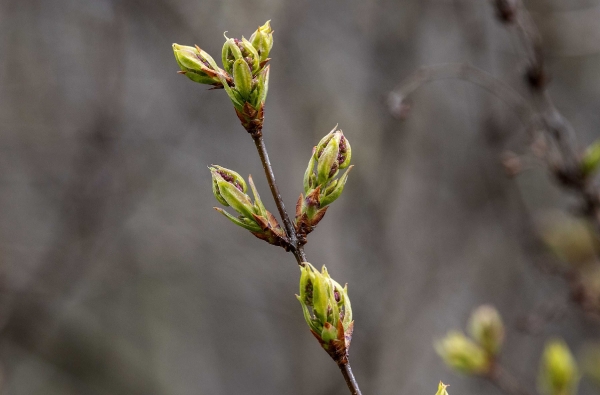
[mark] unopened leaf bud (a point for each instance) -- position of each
(262, 40)
(242, 78)
(327, 311)
(591, 159)
(558, 371)
(230, 53)
(229, 176)
(485, 326)
(462, 354)
(327, 164)
(197, 65)
(231, 193)
(442, 389)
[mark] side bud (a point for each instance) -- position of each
(229, 189)
(320, 184)
(327, 311)
(262, 40)
(558, 370)
(485, 326)
(462, 354)
(198, 65)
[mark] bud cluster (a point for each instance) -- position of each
(244, 76)
(474, 356)
(230, 189)
(321, 188)
(327, 311)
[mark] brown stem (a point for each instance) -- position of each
(349, 377)
(463, 71)
(505, 381)
(290, 231)
(296, 248)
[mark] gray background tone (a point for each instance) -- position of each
(116, 275)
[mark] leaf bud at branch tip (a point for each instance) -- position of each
(485, 326)
(559, 374)
(327, 311)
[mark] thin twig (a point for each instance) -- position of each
(564, 161)
(296, 248)
(349, 377)
(505, 381)
(290, 231)
(462, 71)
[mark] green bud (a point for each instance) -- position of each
(485, 326)
(235, 198)
(462, 354)
(230, 53)
(323, 143)
(309, 180)
(262, 86)
(327, 310)
(242, 78)
(331, 195)
(591, 159)
(558, 370)
(262, 40)
(328, 164)
(250, 55)
(345, 152)
(229, 176)
(442, 389)
(259, 207)
(197, 65)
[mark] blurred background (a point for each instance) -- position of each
(118, 277)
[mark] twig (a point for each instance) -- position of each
(564, 161)
(505, 381)
(462, 71)
(290, 231)
(349, 377)
(296, 248)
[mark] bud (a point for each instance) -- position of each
(230, 53)
(262, 40)
(462, 354)
(591, 159)
(331, 154)
(442, 389)
(229, 189)
(242, 78)
(485, 326)
(327, 164)
(558, 370)
(198, 65)
(327, 311)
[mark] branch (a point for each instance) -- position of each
(505, 381)
(290, 231)
(462, 71)
(564, 160)
(349, 377)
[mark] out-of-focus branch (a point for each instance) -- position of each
(463, 71)
(505, 381)
(563, 154)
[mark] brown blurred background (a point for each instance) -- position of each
(116, 275)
